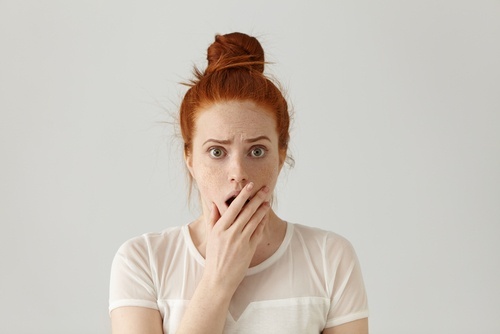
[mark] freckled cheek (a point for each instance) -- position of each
(209, 180)
(266, 176)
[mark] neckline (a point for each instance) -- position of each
(252, 270)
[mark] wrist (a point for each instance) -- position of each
(218, 287)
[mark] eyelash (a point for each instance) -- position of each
(211, 149)
(223, 152)
(264, 151)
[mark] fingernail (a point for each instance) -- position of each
(265, 189)
(250, 186)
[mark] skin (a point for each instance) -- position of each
(235, 153)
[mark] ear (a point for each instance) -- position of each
(282, 157)
(188, 159)
(282, 162)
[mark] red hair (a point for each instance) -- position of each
(235, 71)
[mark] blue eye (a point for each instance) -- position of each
(258, 152)
(216, 152)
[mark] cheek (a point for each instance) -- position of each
(207, 178)
(267, 175)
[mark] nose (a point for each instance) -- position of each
(237, 171)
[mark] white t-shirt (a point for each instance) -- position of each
(312, 282)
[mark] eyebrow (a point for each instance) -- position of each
(227, 141)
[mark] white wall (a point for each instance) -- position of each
(396, 138)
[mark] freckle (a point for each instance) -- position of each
(269, 244)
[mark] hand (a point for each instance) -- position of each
(233, 238)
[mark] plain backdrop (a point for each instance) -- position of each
(396, 138)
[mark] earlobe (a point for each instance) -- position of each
(282, 160)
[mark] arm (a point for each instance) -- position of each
(354, 327)
(136, 320)
(206, 312)
(131, 279)
(348, 293)
(230, 247)
(231, 243)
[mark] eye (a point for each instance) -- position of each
(216, 152)
(258, 152)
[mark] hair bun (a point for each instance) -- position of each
(235, 50)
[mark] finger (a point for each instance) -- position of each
(242, 198)
(236, 206)
(214, 217)
(259, 231)
(256, 221)
(251, 208)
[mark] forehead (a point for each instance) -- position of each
(231, 119)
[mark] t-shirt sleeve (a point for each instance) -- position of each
(131, 279)
(347, 290)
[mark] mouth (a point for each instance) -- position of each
(232, 198)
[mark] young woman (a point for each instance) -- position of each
(238, 268)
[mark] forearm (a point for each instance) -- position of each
(207, 310)
(230, 247)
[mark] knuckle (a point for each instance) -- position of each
(262, 194)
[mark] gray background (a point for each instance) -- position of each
(396, 138)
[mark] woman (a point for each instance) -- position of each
(238, 268)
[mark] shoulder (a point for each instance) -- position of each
(152, 242)
(322, 237)
(333, 248)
